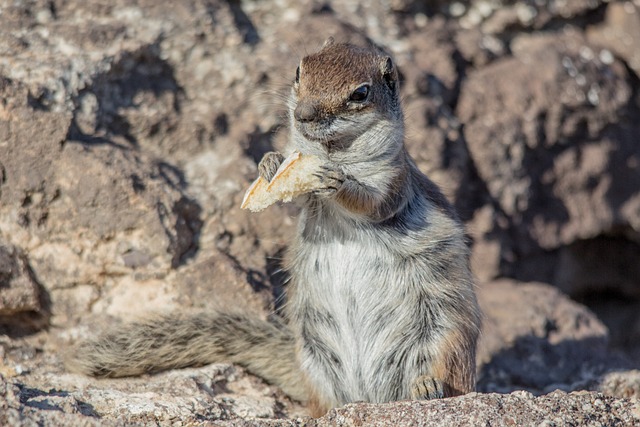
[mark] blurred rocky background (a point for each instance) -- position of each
(130, 129)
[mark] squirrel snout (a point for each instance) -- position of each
(305, 112)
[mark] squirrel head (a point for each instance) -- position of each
(341, 91)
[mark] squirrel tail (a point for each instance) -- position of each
(265, 348)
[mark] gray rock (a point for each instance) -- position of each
(515, 409)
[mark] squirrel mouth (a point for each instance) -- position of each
(327, 133)
(326, 139)
(322, 133)
(317, 132)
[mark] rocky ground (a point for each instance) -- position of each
(130, 129)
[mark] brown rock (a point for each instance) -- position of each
(621, 384)
(535, 338)
(23, 303)
(18, 290)
(479, 48)
(204, 396)
(620, 33)
(505, 17)
(434, 134)
(542, 131)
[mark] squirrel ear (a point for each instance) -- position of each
(389, 73)
(328, 42)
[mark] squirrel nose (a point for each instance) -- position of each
(305, 112)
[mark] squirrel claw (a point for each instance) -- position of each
(426, 387)
(331, 179)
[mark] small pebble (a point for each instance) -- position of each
(606, 56)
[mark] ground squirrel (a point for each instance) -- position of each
(381, 303)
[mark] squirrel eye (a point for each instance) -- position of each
(298, 74)
(360, 94)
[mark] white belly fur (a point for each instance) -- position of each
(351, 282)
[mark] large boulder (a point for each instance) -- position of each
(548, 132)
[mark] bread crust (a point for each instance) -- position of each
(295, 177)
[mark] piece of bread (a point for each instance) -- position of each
(295, 176)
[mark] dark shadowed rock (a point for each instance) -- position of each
(537, 339)
(548, 134)
(24, 305)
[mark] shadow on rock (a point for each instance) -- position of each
(55, 400)
(107, 111)
(25, 305)
(534, 364)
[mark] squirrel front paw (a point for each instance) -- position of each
(426, 388)
(331, 180)
(269, 165)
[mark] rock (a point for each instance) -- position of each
(537, 339)
(18, 290)
(22, 406)
(479, 48)
(203, 396)
(620, 33)
(543, 132)
(79, 210)
(23, 304)
(216, 392)
(503, 17)
(518, 408)
(622, 384)
(98, 196)
(534, 338)
(432, 77)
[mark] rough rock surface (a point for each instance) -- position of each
(129, 130)
(515, 409)
(23, 305)
(620, 32)
(25, 406)
(549, 141)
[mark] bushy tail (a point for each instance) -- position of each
(265, 348)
